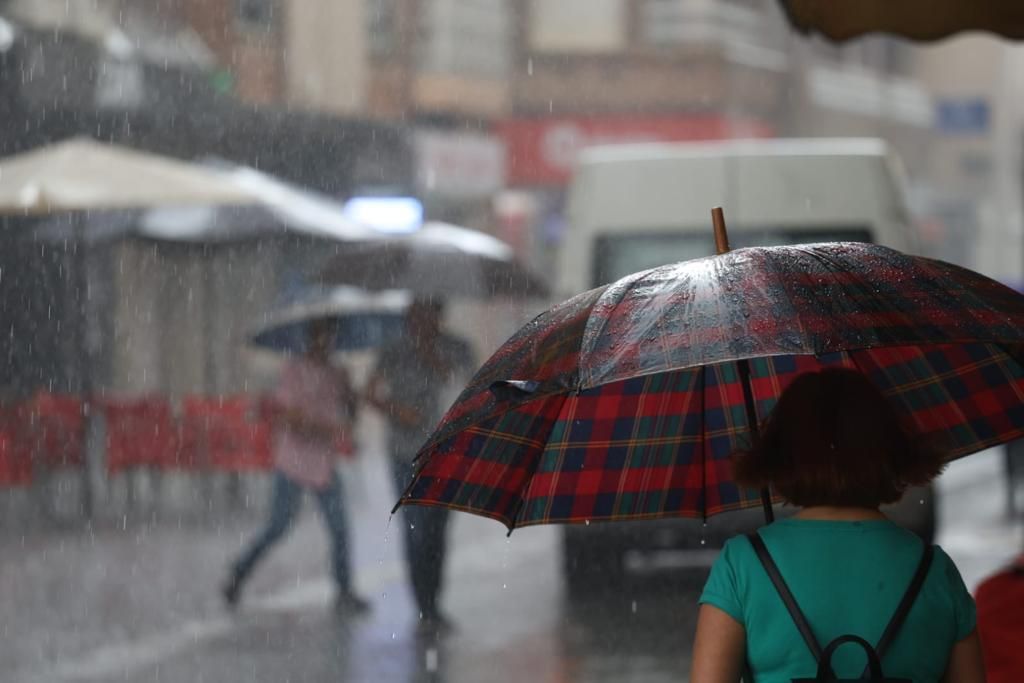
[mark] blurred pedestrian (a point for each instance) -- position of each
(314, 407)
(1000, 599)
(407, 385)
(835, 448)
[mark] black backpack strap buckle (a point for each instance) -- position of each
(873, 674)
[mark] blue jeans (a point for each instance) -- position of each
(287, 498)
(425, 542)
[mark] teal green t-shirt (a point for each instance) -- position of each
(847, 577)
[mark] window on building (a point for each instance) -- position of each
(682, 22)
(259, 15)
(466, 37)
(880, 54)
(897, 56)
(578, 25)
(382, 29)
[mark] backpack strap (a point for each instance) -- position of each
(788, 600)
(903, 609)
(804, 627)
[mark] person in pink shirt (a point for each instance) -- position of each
(314, 407)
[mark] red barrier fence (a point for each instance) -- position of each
(47, 431)
(141, 432)
(227, 434)
(55, 428)
(15, 458)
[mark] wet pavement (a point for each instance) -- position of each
(139, 602)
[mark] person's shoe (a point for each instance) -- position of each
(231, 591)
(435, 624)
(348, 603)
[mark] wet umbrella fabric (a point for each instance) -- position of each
(438, 260)
(363, 320)
(625, 402)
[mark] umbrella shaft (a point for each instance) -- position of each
(748, 400)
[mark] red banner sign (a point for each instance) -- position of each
(543, 151)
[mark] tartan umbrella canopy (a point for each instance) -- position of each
(627, 401)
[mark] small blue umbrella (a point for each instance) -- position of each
(363, 320)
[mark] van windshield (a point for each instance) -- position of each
(619, 255)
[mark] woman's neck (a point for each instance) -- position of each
(839, 514)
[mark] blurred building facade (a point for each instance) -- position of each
(438, 68)
(619, 71)
(199, 77)
(975, 208)
(168, 318)
(480, 107)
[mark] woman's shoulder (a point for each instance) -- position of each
(738, 550)
(945, 568)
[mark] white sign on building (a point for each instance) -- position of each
(458, 165)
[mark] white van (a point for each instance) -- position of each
(633, 207)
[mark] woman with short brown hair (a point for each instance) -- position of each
(834, 447)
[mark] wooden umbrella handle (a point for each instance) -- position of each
(721, 236)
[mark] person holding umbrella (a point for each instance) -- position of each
(834, 447)
(314, 407)
(407, 386)
(628, 401)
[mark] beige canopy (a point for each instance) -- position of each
(82, 174)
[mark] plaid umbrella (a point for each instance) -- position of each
(627, 401)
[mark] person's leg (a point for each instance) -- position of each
(284, 504)
(336, 522)
(424, 531)
(401, 473)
